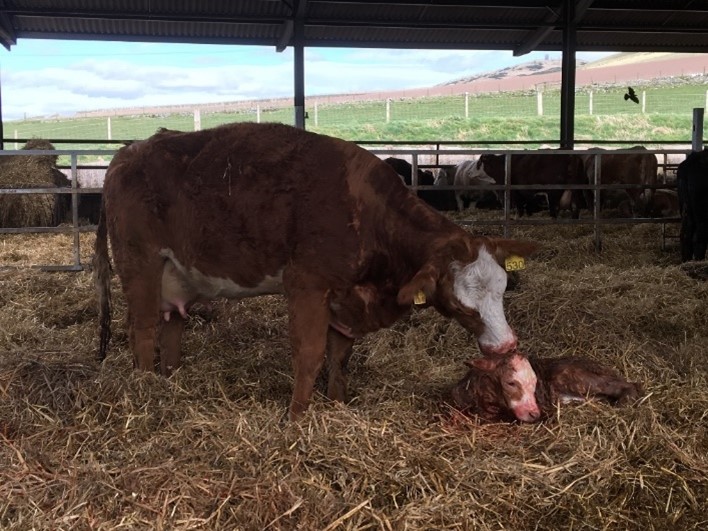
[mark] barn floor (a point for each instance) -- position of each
(84, 446)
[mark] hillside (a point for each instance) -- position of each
(614, 69)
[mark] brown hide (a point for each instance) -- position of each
(625, 168)
(248, 209)
(539, 169)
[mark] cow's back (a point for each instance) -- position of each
(240, 201)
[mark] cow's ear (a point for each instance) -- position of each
(420, 287)
(504, 248)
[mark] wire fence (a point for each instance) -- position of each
(676, 101)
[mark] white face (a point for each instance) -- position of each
(474, 173)
(519, 387)
(480, 286)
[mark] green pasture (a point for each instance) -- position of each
(663, 115)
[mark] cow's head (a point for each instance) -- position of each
(512, 386)
(464, 280)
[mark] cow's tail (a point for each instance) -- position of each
(102, 281)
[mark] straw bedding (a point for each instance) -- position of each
(84, 446)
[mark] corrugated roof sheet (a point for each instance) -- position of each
(601, 25)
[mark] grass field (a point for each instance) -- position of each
(490, 117)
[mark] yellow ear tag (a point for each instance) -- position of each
(514, 263)
(419, 298)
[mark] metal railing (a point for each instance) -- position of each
(506, 221)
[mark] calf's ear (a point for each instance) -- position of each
(420, 287)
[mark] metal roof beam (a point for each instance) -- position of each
(539, 35)
(7, 32)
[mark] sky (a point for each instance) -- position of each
(58, 77)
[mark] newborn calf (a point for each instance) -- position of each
(485, 390)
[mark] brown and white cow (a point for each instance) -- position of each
(638, 168)
(537, 169)
(250, 209)
(490, 389)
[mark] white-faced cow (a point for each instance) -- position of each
(249, 209)
(692, 180)
(537, 169)
(463, 175)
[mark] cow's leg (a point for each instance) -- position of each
(339, 350)
(308, 315)
(686, 237)
(170, 344)
(142, 296)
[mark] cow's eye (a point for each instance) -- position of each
(512, 383)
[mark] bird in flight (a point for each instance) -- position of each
(631, 95)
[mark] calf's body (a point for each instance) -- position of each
(485, 390)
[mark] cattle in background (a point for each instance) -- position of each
(692, 180)
(249, 209)
(89, 204)
(538, 169)
(466, 174)
(443, 200)
(625, 168)
(664, 203)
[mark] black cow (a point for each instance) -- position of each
(443, 200)
(692, 179)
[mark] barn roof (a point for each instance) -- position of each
(519, 25)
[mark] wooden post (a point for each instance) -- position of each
(317, 114)
(108, 125)
(197, 120)
(388, 110)
(258, 113)
(644, 101)
(590, 104)
(467, 104)
(539, 102)
(697, 140)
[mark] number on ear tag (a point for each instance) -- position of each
(419, 298)
(514, 263)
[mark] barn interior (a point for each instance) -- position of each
(87, 445)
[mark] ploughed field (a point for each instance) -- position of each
(84, 446)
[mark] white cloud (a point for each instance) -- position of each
(104, 82)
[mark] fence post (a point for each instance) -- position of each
(697, 141)
(388, 110)
(317, 114)
(590, 104)
(108, 125)
(258, 113)
(16, 139)
(539, 102)
(197, 120)
(467, 104)
(644, 101)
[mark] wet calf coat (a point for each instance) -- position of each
(250, 209)
(487, 390)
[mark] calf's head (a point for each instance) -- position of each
(495, 386)
(464, 280)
